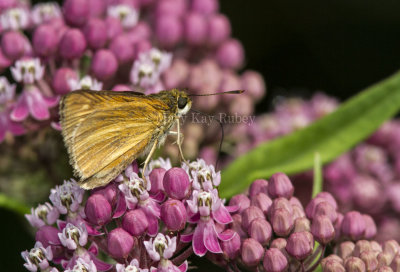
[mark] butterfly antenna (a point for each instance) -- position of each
(227, 92)
(222, 135)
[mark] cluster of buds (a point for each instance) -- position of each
(366, 178)
(120, 45)
(155, 223)
(364, 256)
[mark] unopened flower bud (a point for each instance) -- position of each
(327, 197)
(104, 64)
(332, 266)
(391, 247)
(173, 213)
(176, 183)
(175, 8)
(156, 179)
(260, 230)
(95, 33)
(353, 225)
(280, 203)
(254, 84)
(325, 209)
(45, 40)
(168, 30)
(230, 54)
(122, 48)
(301, 224)
(61, 78)
(384, 259)
(280, 186)
(76, 12)
(346, 249)
(119, 243)
(354, 264)
(98, 210)
(249, 214)
(72, 44)
(300, 245)
(114, 27)
(252, 252)
(195, 28)
(322, 229)
(282, 222)
(240, 200)
(205, 7)
(13, 45)
(385, 269)
(274, 260)
(370, 227)
(109, 192)
(219, 29)
(135, 222)
(395, 265)
(262, 201)
(279, 243)
(236, 226)
(361, 246)
(369, 259)
(258, 186)
(231, 248)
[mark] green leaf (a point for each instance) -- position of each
(318, 180)
(12, 204)
(331, 136)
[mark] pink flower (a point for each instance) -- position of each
(207, 208)
(132, 266)
(125, 13)
(204, 177)
(14, 19)
(43, 215)
(67, 197)
(33, 102)
(85, 83)
(82, 265)
(73, 236)
(27, 70)
(37, 258)
(44, 12)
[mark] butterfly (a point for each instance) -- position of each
(105, 131)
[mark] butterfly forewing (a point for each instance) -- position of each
(105, 131)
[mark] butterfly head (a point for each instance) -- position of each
(183, 103)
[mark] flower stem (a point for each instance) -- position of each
(183, 256)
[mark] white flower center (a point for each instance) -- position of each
(36, 255)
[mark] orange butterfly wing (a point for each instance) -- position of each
(105, 131)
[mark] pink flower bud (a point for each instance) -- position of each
(95, 33)
(174, 8)
(45, 40)
(121, 88)
(122, 48)
(282, 221)
(141, 47)
(301, 224)
(168, 30)
(280, 203)
(279, 243)
(280, 186)
(258, 186)
(236, 226)
(230, 54)
(300, 245)
(361, 245)
(328, 197)
(76, 12)
(354, 264)
(312, 205)
(370, 227)
(205, 7)
(109, 192)
(332, 266)
(48, 235)
(353, 225)
(240, 200)
(61, 78)
(98, 210)
(262, 201)
(322, 229)
(72, 44)
(195, 28)
(231, 248)
(249, 214)
(260, 230)
(156, 179)
(176, 74)
(274, 260)
(141, 31)
(119, 243)
(325, 209)
(114, 27)
(369, 259)
(4, 61)
(219, 29)
(13, 44)
(173, 213)
(391, 247)
(97, 8)
(346, 249)
(135, 222)
(104, 64)
(254, 84)
(176, 183)
(252, 252)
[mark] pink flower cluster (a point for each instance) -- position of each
(367, 178)
(152, 224)
(120, 45)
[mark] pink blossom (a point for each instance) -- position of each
(73, 236)
(128, 15)
(44, 12)
(14, 19)
(44, 214)
(27, 70)
(37, 258)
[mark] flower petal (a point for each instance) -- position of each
(232, 209)
(51, 101)
(152, 229)
(186, 238)
(20, 111)
(222, 215)
(100, 265)
(121, 206)
(37, 105)
(198, 242)
(227, 235)
(183, 267)
(210, 238)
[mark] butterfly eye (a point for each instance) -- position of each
(182, 101)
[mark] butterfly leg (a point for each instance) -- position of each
(153, 148)
(179, 140)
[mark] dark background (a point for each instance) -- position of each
(339, 47)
